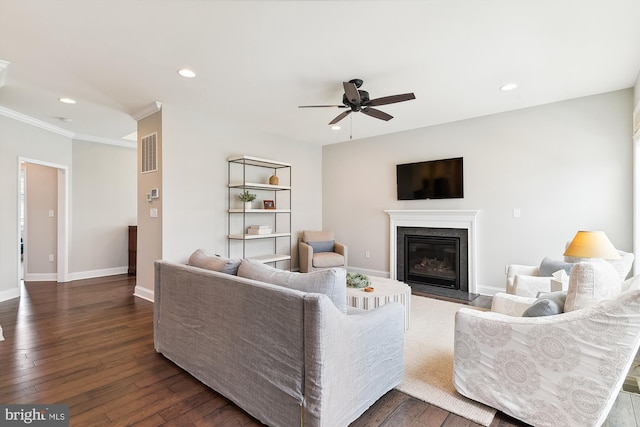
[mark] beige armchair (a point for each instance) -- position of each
(318, 250)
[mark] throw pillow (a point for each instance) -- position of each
(549, 266)
(322, 246)
(204, 259)
(542, 307)
(548, 304)
(591, 282)
(331, 282)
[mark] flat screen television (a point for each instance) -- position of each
(434, 179)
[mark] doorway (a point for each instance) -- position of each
(44, 238)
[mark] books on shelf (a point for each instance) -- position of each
(258, 229)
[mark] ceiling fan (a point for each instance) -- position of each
(358, 100)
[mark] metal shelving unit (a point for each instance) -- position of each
(252, 173)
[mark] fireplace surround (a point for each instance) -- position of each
(436, 219)
(433, 257)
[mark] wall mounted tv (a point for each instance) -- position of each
(435, 179)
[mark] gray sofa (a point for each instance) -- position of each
(285, 356)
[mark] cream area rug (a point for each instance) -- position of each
(428, 360)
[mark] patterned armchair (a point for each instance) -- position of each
(559, 370)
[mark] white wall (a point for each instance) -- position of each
(194, 194)
(636, 90)
(104, 205)
(20, 140)
(91, 252)
(149, 233)
(567, 166)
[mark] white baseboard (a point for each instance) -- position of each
(368, 272)
(10, 294)
(143, 293)
(79, 275)
(489, 290)
(41, 277)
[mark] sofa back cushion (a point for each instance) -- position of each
(549, 266)
(203, 258)
(622, 265)
(317, 236)
(591, 282)
(331, 282)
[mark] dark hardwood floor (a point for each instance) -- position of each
(89, 344)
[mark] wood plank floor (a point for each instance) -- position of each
(89, 344)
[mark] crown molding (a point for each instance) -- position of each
(145, 112)
(6, 112)
(108, 141)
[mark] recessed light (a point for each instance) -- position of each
(508, 87)
(335, 127)
(67, 100)
(187, 73)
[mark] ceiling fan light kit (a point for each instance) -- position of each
(357, 100)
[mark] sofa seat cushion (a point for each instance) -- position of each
(591, 282)
(327, 259)
(203, 258)
(331, 282)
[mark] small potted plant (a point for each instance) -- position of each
(247, 198)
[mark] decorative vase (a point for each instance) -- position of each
(273, 180)
(247, 206)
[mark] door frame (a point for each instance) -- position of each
(62, 271)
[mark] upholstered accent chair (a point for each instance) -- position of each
(529, 280)
(563, 369)
(318, 250)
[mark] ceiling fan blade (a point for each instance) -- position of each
(391, 99)
(376, 113)
(351, 90)
(340, 117)
(321, 106)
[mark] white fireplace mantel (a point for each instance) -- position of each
(462, 219)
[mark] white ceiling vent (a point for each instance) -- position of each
(150, 153)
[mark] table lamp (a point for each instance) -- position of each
(592, 244)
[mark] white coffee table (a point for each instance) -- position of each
(385, 290)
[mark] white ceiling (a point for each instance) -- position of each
(256, 61)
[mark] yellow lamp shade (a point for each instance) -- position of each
(592, 244)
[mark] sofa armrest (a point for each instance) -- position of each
(341, 249)
(514, 269)
(305, 255)
(535, 367)
(350, 360)
(529, 286)
(529, 270)
(512, 305)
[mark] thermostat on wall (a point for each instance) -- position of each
(154, 193)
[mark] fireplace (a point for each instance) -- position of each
(458, 226)
(432, 261)
(433, 257)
